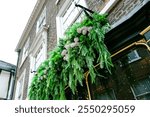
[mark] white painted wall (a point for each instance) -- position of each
(4, 80)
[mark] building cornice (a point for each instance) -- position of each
(30, 24)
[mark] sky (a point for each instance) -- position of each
(14, 15)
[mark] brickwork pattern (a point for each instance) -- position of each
(121, 9)
(96, 5)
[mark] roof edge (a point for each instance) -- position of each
(30, 23)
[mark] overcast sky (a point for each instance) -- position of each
(14, 15)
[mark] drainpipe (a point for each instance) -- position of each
(12, 84)
(9, 86)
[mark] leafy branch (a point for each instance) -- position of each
(81, 48)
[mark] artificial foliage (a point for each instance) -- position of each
(81, 48)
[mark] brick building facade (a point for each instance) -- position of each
(47, 23)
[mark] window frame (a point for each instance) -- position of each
(63, 10)
(19, 92)
(139, 95)
(41, 20)
(33, 67)
(25, 51)
(147, 34)
(39, 41)
(135, 59)
(59, 22)
(36, 56)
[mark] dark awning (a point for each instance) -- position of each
(127, 29)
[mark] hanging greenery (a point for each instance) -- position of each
(81, 48)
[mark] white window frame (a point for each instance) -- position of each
(41, 20)
(137, 56)
(40, 52)
(39, 41)
(59, 21)
(25, 51)
(20, 83)
(33, 68)
(63, 10)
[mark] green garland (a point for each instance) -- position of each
(81, 48)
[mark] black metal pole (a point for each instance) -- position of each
(84, 8)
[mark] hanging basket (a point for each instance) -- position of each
(81, 48)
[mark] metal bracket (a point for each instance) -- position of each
(85, 10)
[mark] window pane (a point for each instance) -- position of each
(20, 86)
(142, 87)
(39, 58)
(133, 56)
(71, 14)
(147, 35)
(144, 97)
(42, 20)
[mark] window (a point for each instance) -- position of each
(141, 89)
(133, 56)
(42, 20)
(38, 53)
(39, 58)
(147, 35)
(25, 51)
(68, 14)
(35, 61)
(20, 85)
(71, 14)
